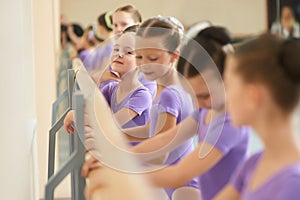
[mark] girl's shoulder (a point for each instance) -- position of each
(174, 91)
(141, 91)
(253, 159)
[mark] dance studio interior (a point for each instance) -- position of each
(209, 110)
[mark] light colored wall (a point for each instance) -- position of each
(17, 102)
(46, 50)
(240, 16)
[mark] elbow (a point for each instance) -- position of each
(175, 179)
(178, 180)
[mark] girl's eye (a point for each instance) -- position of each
(124, 24)
(116, 49)
(153, 59)
(204, 97)
(129, 53)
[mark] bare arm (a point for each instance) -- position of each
(124, 115)
(229, 192)
(165, 121)
(166, 141)
(72, 35)
(138, 133)
(188, 168)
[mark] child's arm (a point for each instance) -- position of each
(125, 115)
(229, 192)
(138, 133)
(139, 103)
(166, 141)
(165, 121)
(188, 168)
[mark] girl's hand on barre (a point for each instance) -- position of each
(68, 122)
(93, 171)
(90, 164)
(70, 118)
(97, 179)
(108, 75)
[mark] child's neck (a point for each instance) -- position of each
(170, 78)
(278, 133)
(129, 81)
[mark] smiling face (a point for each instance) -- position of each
(121, 20)
(154, 63)
(153, 58)
(123, 57)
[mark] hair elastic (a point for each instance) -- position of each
(108, 21)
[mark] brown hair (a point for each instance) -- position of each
(136, 15)
(199, 52)
(274, 62)
(161, 26)
(105, 20)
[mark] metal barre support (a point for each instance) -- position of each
(74, 163)
(59, 123)
(77, 181)
(77, 149)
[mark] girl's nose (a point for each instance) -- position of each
(118, 30)
(121, 54)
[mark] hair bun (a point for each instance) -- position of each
(290, 59)
(217, 33)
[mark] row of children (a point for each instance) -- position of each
(159, 114)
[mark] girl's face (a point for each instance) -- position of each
(154, 63)
(208, 89)
(121, 20)
(153, 58)
(237, 91)
(123, 57)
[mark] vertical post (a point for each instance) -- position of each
(74, 163)
(78, 182)
(71, 81)
(58, 124)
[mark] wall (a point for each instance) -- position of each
(46, 50)
(17, 102)
(240, 16)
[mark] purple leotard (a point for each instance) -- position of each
(151, 85)
(139, 101)
(101, 53)
(284, 185)
(230, 140)
(175, 101)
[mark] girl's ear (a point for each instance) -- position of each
(175, 56)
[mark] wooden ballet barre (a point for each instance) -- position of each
(109, 141)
